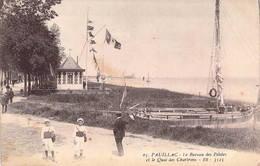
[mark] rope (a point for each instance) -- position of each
(248, 45)
(96, 33)
(250, 53)
(210, 75)
(83, 49)
(88, 41)
(229, 17)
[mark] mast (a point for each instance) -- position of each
(218, 73)
(86, 69)
(103, 73)
(148, 78)
(258, 101)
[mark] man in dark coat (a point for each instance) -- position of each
(11, 95)
(119, 133)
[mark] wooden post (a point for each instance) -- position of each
(29, 83)
(25, 84)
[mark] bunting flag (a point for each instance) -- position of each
(90, 34)
(117, 45)
(90, 28)
(92, 49)
(98, 75)
(96, 64)
(92, 42)
(95, 60)
(108, 37)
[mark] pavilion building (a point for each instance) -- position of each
(70, 75)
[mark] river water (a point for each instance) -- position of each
(243, 89)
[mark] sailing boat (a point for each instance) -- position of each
(202, 116)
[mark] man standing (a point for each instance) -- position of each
(119, 133)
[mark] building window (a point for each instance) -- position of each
(76, 78)
(59, 77)
(64, 78)
(80, 77)
(70, 78)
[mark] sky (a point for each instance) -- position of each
(167, 38)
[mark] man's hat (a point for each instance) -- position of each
(80, 119)
(118, 114)
(47, 120)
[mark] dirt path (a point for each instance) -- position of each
(21, 145)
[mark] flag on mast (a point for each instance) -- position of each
(117, 45)
(111, 41)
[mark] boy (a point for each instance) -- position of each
(48, 137)
(79, 137)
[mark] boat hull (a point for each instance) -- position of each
(199, 119)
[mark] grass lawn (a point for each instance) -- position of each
(69, 107)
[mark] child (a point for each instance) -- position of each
(79, 137)
(48, 137)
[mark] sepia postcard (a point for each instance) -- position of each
(130, 82)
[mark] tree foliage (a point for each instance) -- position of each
(26, 42)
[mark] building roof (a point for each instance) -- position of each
(70, 65)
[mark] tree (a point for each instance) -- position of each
(26, 43)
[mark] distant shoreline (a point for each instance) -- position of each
(183, 93)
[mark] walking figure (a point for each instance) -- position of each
(119, 133)
(11, 95)
(79, 138)
(84, 85)
(4, 102)
(48, 138)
